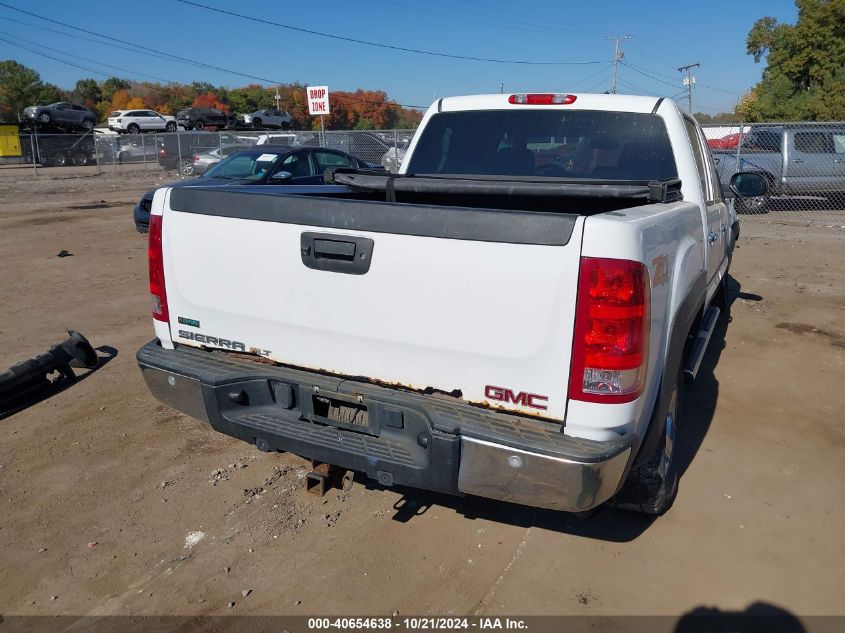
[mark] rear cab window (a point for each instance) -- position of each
(579, 144)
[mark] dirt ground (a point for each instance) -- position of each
(111, 503)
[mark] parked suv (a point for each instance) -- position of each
(137, 121)
(267, 119)
(62, 113)
(200, 118)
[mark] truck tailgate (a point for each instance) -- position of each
(477, 301)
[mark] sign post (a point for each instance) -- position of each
(318, 104)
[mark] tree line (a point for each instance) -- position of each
(21, 86)
(804, 76)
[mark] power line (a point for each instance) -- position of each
(645, 74)
(697, 85)
(144, 48)
(514, 21)
(586, 79)
(545, 20)
(151, 52)
(504, 23)
(642, 91)
(62, 61)
(85, 59)
(387, 46)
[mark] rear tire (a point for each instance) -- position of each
(652, 486)
(170, 127)
(256, 123)
(88, 125)
(123, 157)
(79, 159)
(133, 128)
(199, 125)
(186, 167)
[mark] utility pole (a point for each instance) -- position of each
(617, 57)
(277, 98)
(501, 87)
(689, 80)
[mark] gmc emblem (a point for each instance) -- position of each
(502, 394)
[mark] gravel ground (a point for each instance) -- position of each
(111, 503)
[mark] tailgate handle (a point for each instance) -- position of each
(336, 253)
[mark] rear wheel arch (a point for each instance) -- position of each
(683, 324)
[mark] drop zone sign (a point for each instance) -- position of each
(318, 99)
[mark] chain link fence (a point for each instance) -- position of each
(180, 151)
(803, 162)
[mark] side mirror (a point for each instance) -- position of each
(281, 175)
(748, 184)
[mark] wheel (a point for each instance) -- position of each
(186, 167)
(44, 117)
(123, 157)
(88, 124)
(256, 123)
(133, 128)
(79, 159)
(199, 125)
(652, 486)
(170, 127)
(286, 126)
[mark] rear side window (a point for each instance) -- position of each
(814, 142)
(556, 143)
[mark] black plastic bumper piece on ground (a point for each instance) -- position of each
(24, 379)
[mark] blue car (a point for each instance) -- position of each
(260, 165)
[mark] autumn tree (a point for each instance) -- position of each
(112, 85)
(88, 92)
(209, 100)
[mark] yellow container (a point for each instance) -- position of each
(10, 141)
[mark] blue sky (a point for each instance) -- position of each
(664, 35)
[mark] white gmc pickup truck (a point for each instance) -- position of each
(513, 315)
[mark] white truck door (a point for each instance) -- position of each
(716, 235)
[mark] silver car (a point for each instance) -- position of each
(268, 119)
(202, 162)
(62, 113)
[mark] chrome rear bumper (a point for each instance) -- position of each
(424, 441)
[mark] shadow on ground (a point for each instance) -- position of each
(759, 617)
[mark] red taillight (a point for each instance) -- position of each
(610, 346)
(542, 99)
(196, 158)
(162, 152)
(156, 256)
